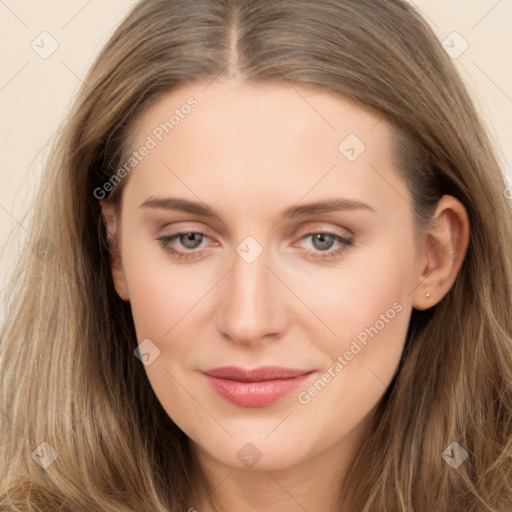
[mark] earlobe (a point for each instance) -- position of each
(444, 247)
(110, 218)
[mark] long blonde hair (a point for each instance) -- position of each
(70, 378)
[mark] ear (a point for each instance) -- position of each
(112, 225)
(444, 247)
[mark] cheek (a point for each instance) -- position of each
(165, 300)
(368, 284)
(348, 301)
(357, 308)
(367, 304)
(162, 293)
(369, 308)
(365, 301)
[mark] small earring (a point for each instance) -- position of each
(427, 295)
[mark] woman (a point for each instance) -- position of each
(270, 268)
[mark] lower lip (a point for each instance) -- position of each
(255, 394)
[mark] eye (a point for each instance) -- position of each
(188, 244)
(189, 240)
(322, 243)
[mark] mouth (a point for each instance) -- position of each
(255, 387)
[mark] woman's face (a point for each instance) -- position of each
(267, 226)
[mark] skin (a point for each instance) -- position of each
(249, 152)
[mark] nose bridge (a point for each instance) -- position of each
(249, 306)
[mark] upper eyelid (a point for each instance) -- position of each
(319, 228)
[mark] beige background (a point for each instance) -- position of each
(35, 92)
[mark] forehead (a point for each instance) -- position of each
(263, 108)
(251, 138)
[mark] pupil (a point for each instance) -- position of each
(190, 242)
(326, 241)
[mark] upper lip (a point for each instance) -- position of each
(255, 375)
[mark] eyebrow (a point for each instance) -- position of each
(295, 211)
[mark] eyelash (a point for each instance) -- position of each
(192, 254)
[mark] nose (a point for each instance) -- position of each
(252, 304)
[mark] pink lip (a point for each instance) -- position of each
(255, 388)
